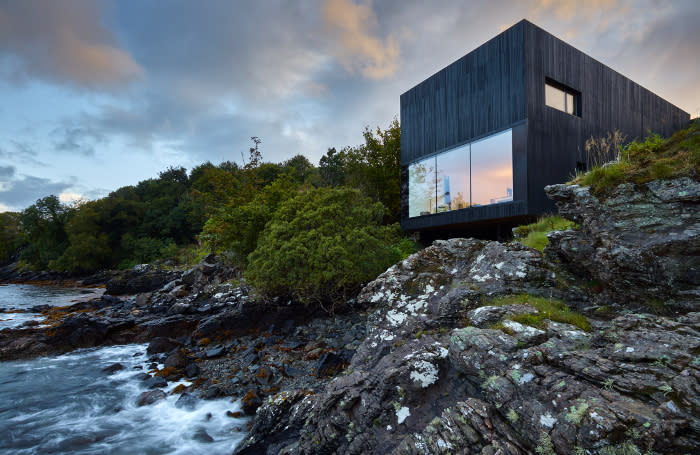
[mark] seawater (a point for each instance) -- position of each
(15, 299)
(67, 405)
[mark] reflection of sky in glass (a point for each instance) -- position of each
(421, 188)
(492, 169)
(452, 186)
(453, 179)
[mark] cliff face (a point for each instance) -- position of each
(448, 366)
(642, 245)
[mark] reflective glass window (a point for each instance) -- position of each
(421, 188)
(453, 179)
(492, 169)
(553, 97)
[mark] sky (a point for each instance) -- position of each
(95, 95)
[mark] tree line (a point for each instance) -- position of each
(310, 232)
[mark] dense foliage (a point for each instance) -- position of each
(312, 233)
(321, 245)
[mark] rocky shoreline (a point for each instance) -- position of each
(430, 358)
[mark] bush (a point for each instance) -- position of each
(322, 245)
(651, 159)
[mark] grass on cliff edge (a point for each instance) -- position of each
(535, 235)
(654, 158)
(552, 309)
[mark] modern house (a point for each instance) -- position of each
(482, 137)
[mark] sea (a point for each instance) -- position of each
(67, 404)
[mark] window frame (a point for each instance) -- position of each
(567, 92)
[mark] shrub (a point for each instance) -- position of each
(651, 159)
(321, 245)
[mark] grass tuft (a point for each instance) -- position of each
(535, 235)
(552, 309)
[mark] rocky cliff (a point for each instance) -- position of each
(459, 359)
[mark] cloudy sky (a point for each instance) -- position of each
(95, 95)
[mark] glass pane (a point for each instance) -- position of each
(421, 188)
(453, 179)
(570, 103)
(492, 169)
(553, 97)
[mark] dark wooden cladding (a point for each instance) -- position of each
(609, 102)
(501, 85)
(481, 93)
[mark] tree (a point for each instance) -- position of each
(43, 225)
(236, 228)
(10, 238)
(321, 245)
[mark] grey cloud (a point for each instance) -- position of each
(77, 139)
(7, 171)
(20, 193)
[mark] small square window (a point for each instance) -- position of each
(562, 98)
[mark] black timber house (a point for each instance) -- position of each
(482, 137)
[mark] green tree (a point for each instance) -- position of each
(89, 247)
(43, 224)
(236, 228)
(321, 246)
(10, 238)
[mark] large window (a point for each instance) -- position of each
(421, 188)
(453, 179)
(562, 98)
(492, 169)
(479, 173)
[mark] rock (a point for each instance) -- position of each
(179, 308)
(329, 364)
(137, 281)
(201, 435)
(191, 370)
(155, 382)
(162, 344)
(215, 352)
(113, 368)
(176, 359)
(150, 397)
(250, 402)
(642, 244)
(187, 401)
(143, 299)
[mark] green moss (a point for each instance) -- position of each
(652, 159)
(552, 309)
(577, 413)
(535, 235)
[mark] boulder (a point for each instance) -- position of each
(150, 397)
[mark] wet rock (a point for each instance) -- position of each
(136, 281)
(155, 382)
(177, 359)
(150, 397)
(191, 370)
(250, 402)
(162, 344)
(187, 401)
(113, 368)
(201, 435)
